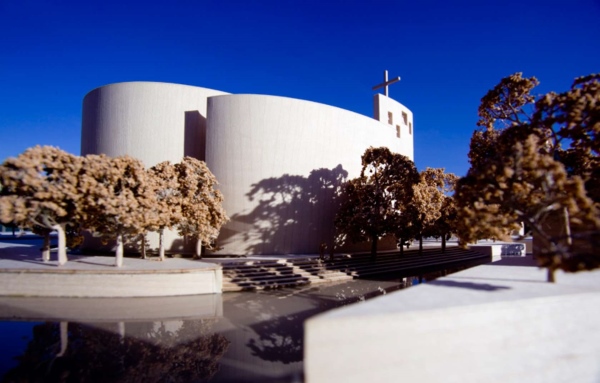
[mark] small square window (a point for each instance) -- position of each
(405, 118)
(398, 131)
(410, 128)
(390, 118)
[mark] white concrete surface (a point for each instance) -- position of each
(391, 112)
(278, 159)
(494, 323)
(150, 121)
(23, 273)
(111, 309)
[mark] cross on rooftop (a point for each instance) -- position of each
(386, 82)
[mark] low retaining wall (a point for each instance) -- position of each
(118, 283)
(23, 274)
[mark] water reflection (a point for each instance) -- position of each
(120, 352)
(255, 337)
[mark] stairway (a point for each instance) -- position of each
(272, 274)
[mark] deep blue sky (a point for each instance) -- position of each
(448, 53)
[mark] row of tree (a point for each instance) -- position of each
(391, 198)
(47, 189)
(534, 162)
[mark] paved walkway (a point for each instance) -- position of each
(25, 254)
(499, 322)
(21, 265)
(23, 273)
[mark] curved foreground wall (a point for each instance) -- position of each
(279, 162)
(150, 121)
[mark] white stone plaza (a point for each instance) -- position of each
(25, 274)
(500, 322)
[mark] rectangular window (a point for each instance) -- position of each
(390, 118)
(410, 128)
(405, 118)
(398, 131)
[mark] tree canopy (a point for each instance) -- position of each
(114, 198)
(164, 182)
(536, 161)
(373, 203)
(41, 191)
(201, 203)
(432, 205)
(118, 200)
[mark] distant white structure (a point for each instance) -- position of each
(278, 160)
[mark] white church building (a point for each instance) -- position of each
(278, 160)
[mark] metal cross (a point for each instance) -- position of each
(386, 83)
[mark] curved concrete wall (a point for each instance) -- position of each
(278, 161)
(151, 121)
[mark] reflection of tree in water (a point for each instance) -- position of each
(280, 339)
(294, 209)
(280, 335)
(190, 353)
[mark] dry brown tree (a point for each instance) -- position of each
(40, 191)
(430, 198)
(373, 203)
(118, 201)
(445, 226)
(536, 163)
(201, 203)
(164, 183)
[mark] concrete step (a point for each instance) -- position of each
(264, 285)
(273, 274)
(386, 265)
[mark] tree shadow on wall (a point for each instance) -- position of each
(292, 213)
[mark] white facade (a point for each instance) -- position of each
(393, 113)
(150, 121)
(278, 160)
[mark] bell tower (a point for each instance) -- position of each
(391, 112)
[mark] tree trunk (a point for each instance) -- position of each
(64, 338)
(420, 244)
(401, 246)
(144, 246)
(567, 227)
(443, 242)
(550, 276)
(119, 251)
(198, 254)
(374, 247)
(46, 248)
(161, 244)
(121, 331)
(62, 244)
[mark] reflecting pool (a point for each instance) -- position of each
(231, 337)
